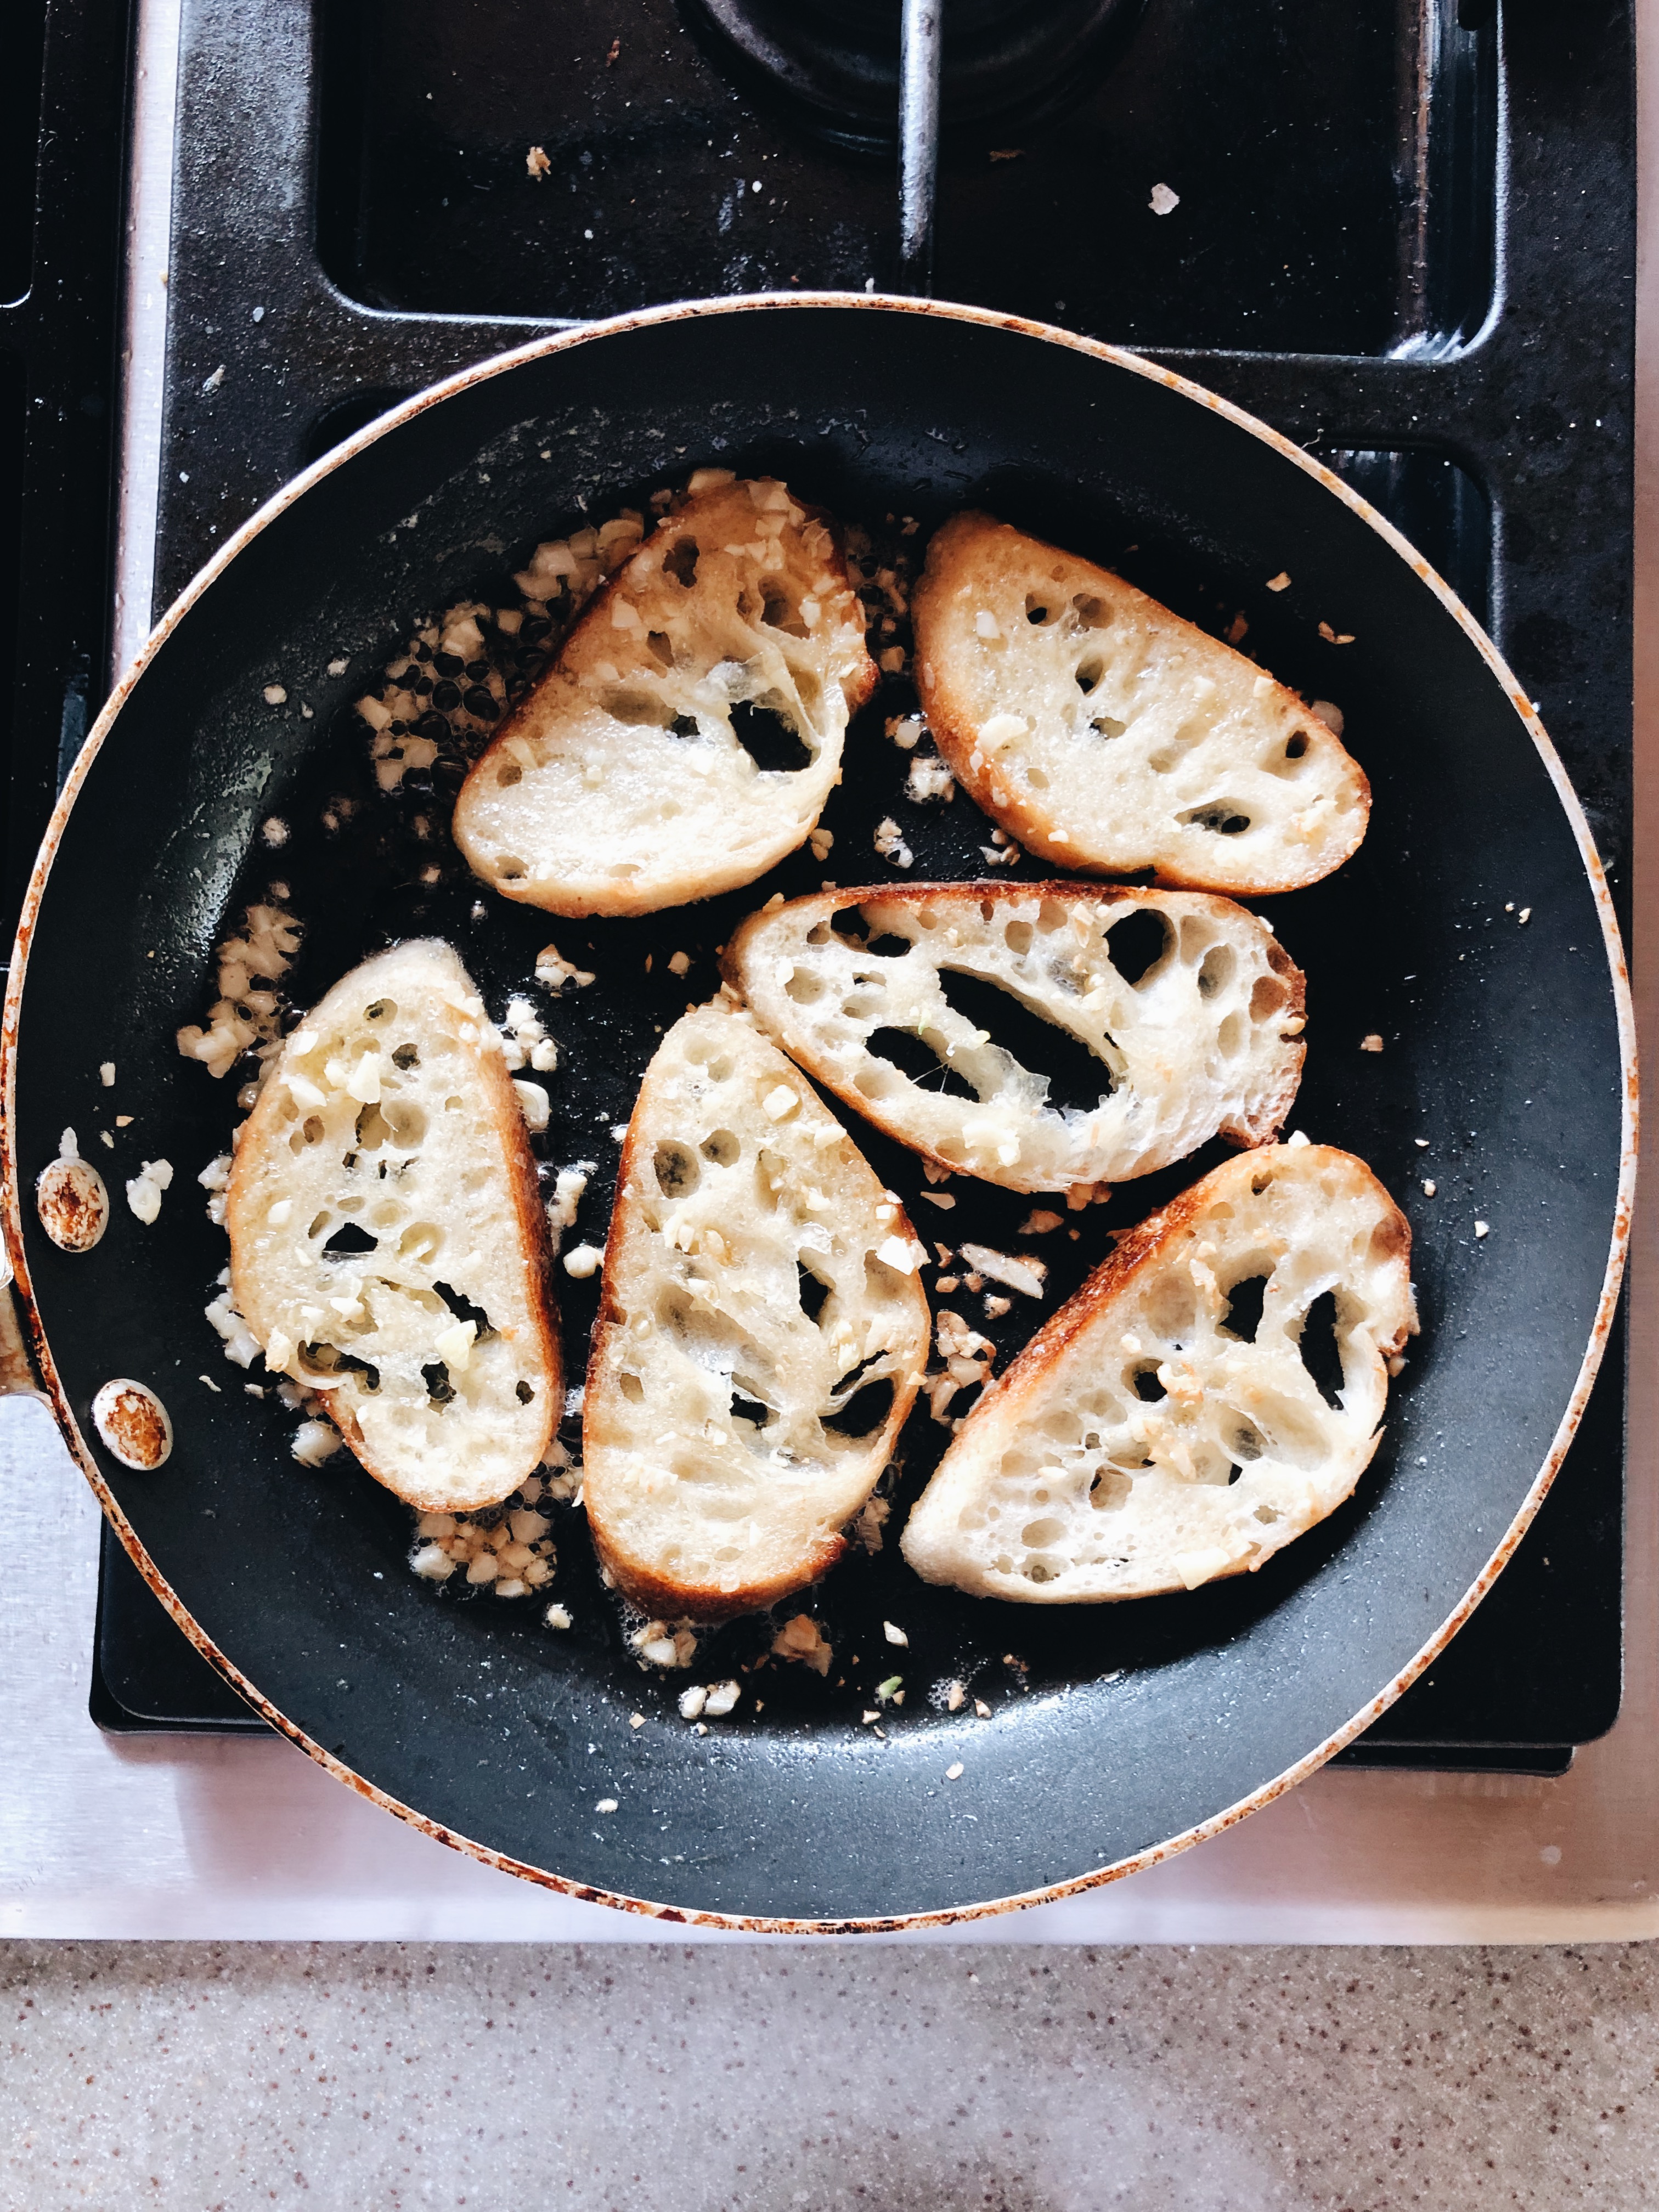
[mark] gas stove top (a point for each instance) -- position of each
(1408, 240)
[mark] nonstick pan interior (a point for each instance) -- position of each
(1469, 933)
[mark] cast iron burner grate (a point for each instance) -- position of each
(833, 66)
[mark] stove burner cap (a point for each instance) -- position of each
(835, 64)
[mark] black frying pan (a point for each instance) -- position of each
(1115, 1733)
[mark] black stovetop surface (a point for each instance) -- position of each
(1407, 241)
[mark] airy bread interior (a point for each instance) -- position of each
(690, 729)
(760, 1336)
(1191, 1009)
(1109, 734)
(388, 1249)
(1184, 1416)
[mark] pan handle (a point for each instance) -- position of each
(920, 58)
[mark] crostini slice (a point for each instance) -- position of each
(761, 1336)
(1214, 1390)
(1047, 1037)
(388, 1247)
(690, 729)
(1106, 733)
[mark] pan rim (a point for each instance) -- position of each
(1118, 357)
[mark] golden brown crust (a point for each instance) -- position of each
(530, 1219)
(700, 1602)
(1394, 1235)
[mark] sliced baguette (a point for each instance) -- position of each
(760, 1288)
(391, 1116)
(1206, 1039)
(620, 785)
(1140, 1444)
(1107, 733)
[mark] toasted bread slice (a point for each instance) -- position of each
(625, 781)
(761, 1335)
(1096, 1033)
(388, 1248)
(1109, 734)
(1156, 1433)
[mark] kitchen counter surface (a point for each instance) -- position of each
(1004, 2079)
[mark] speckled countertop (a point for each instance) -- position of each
(198, 2077)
